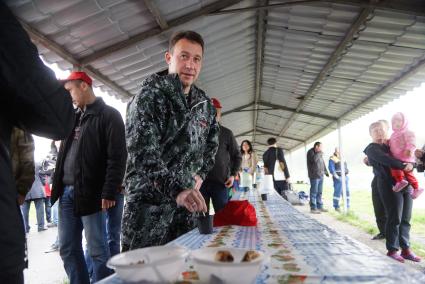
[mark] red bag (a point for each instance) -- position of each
(236, 212)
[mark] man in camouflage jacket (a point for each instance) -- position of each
(172, 138)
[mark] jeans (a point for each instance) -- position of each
(39, 211)
(338, 191)
(113, 231)
(70, 241)
(398, 206)
(378, 207)
(55, 213)
(215, 191)
(316, 188)
(48, 208)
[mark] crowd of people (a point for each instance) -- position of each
(170, 158)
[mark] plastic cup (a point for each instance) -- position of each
(264, 196)
(205, 224)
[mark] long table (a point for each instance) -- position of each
(301, 249)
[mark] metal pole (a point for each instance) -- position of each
(341, 157)
(306, 162)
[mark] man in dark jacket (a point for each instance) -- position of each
(316, 170)
(227, 163)
(269, 158)
(89, 172)
(172, 138)
(32, 99)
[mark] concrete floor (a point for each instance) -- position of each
(45, 266)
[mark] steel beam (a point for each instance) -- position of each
(41, 39)
(261, 26)
(411, 71)
(349, 36)
(216, 6)
(160, 20)
(412, 7)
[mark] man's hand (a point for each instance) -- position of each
(408, 153)
(21, 199)
(106, 204)
(229, 182)
(288, 180)
(198, 182)
(419, 153)
(366, 161)
(191, 199)
(408, 167)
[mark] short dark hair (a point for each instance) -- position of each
(189, 35)
(271, 141)
(317, 144)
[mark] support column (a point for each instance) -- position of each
(341, 156)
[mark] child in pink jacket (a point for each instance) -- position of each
(402, 146)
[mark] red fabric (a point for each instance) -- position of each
(411, 179)
(240, 213)
(399, 175)
(47, 189)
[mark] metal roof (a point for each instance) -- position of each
(280, 68)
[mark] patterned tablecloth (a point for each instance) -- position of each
(301, 249)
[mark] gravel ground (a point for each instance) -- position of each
(355, 233)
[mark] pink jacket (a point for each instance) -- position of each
(402, 140)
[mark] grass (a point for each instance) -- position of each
(361, 215)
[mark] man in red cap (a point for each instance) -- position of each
(89, 172)
(227, 162)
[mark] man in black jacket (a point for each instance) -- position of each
(32, 99)
(316, 170)
(89, 172)
(269, 158)
(227, 162)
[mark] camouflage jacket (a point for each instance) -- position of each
(170, 138)
(22, 156)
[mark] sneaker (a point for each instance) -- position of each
(394, 255)
(379, 236)
(417, 192)
(338, 210)
(323, 210)
(400, 185)
(408, 254)
(315, 211)
(54, 247)
(51, 225)
(42, 229)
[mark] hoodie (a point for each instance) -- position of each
(402, 140)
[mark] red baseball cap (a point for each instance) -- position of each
(216, 103)
(77, 75)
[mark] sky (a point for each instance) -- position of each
(355, 136)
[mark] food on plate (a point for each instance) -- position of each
(137, 262)
(224, 256)
(250, 256)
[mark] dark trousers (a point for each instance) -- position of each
(48, 209)
(12, 277)
(215, 191)
(378, 207)
(398, 206)
(281, 186)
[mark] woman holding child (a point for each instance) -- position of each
(398, 205)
